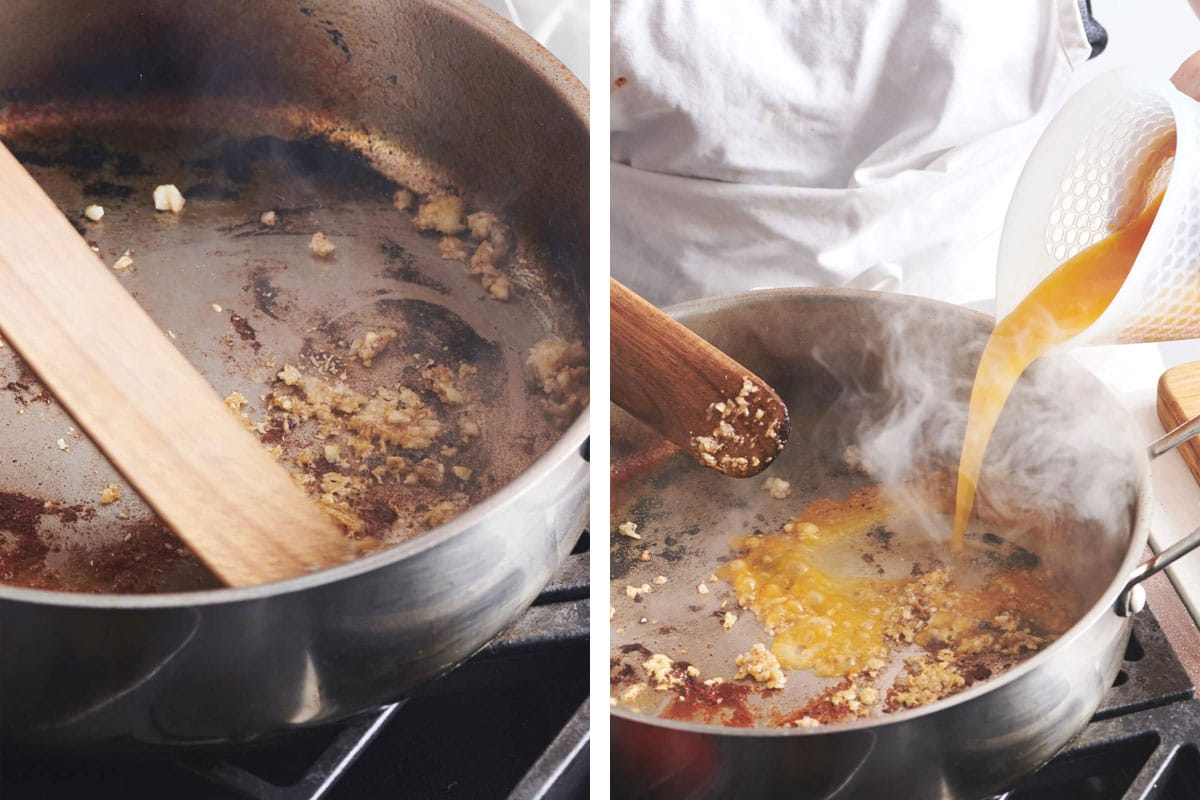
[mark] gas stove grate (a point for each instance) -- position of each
(1142, 742)
(558, 619)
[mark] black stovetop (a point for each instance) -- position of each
(1142, 743)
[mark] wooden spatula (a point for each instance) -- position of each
(690, 392)
(144, 405)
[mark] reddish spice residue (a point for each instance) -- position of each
(821, 708)
(137, 564)
(621, 81)
(22, 557)
(377, 517)
(721, 703)
(272, 435)
(145, 561)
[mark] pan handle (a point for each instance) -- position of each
(1173, 439)
(1133, 597)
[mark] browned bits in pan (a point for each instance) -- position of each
(560, 368)
(408, 403)
(888, 641)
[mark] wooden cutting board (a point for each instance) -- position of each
(1179, 401)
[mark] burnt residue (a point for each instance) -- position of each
(378, 516)
(402, 266)
(107, 190)
(26, 393)
(439, 332)
(287, 160)
(147, 558)
(86, 154)
(312, 350)
(244, 329)
(76, 223)
(266, 294)
(22, 549)
(821, 708)
(1016, 558)
(978, 672)
(210, 191)
(1020, 558)
(20, 513)
(130, 164)
(299, 164)
(672, 471)
(624, 558)
(636, 647)
(336, 37)
(724, 703)
(645, 510)
(673, 555)
(81, 157)
(620, 673)
(34, 158)
(272, 436)
(881, 536)
(289, 221)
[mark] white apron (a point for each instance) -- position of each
(870, 143)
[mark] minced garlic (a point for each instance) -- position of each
(168, 198)
(321, 245)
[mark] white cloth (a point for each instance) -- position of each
(825, 142)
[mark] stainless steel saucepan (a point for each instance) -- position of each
(319, 113)
(891, 372)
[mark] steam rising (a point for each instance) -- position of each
(1061, 453)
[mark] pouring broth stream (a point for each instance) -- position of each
(1062, 306)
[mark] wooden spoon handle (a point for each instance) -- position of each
(690, 392)
(144, 405)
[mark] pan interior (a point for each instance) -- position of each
(872, 385)
(243, 299)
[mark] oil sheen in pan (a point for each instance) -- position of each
(242, 298)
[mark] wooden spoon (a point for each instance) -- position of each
(690, 392)
(144, 405)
